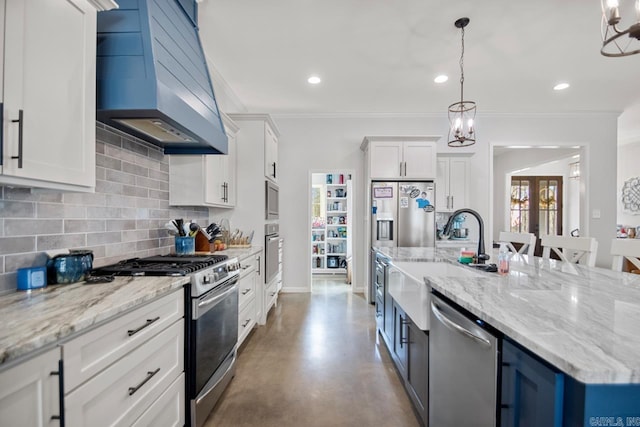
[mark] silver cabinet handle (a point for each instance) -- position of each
(131, 332)
(20, 121)
(150, 375)
(454, 326)
(451, 202)
(246, 291)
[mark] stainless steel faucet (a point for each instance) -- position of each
(482, 256)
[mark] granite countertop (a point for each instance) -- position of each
(42, 317)
(583, 320)
(241, 253)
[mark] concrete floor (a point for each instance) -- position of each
(317, 362)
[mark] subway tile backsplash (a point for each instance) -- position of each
(124, 218)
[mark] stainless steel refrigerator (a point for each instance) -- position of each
(403, 214)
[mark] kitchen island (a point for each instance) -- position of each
(582, 321)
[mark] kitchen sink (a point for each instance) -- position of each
(420, 270)
(407, 286)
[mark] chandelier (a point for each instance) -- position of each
(462, 114)
(614, 42)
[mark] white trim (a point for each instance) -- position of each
(395, 138)
(295, 290)
(101, 5)
(364, 114)
(256, 116)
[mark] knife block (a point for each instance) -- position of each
(202, 242)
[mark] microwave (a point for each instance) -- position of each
(271, 200)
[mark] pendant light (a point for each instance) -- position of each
(614, 42)
(462, 114)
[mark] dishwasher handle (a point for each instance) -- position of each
(456, 327)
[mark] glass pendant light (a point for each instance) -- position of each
(614, 42)
(462, 114)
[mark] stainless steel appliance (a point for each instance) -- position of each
(272, 251)
(403, 214)
(463, 368)
(211, 321)
(272, 209)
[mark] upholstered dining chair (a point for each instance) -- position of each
(576, 250)
(528, 241)
(622, 249)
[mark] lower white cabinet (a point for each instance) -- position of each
(29, 392)
(168, 410)
(247, 288)
(120, 394)
(116, 373)
(271, 293)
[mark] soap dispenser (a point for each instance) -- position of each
(503, 259)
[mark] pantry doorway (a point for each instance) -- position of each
(331, 228)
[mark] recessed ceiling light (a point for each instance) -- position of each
(441, 78)
(561, 86)
(314, 80)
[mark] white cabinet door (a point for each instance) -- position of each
(49, 94)
(229, 168)
(385, 159)
(452, 181)
(213, 182)
(458, 182)
(270, 154)
(419, 160)
(29, 395)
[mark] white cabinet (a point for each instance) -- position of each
(394, 159)
(205, 180)
(452, 182)
(49, 94)
(271, 293)
(29, 392)
(270, 153)
(115, 373)
(247, 288)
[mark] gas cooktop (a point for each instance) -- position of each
(161, 265)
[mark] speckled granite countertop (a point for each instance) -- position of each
(585, 321)
(34, 320)
(241, 252)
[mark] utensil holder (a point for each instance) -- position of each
(185, 245)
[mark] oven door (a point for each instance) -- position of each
(272, 263)
(215, 331)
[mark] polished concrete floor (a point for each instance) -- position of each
(316, 363)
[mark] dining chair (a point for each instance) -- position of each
(622, 249)
(575, 250)
(528, 241)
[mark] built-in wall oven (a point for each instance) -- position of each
(272, 207)
(272, 251)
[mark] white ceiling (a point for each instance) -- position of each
(382, 55)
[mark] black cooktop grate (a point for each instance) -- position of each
(162, 265)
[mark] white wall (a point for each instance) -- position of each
(332, 142)
(628, 167)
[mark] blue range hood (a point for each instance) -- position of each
(153, 80)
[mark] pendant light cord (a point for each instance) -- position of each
(462, 70)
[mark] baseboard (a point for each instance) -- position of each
(295, 290)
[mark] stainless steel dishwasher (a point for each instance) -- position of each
(463, 369)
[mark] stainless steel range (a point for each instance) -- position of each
(211, 319)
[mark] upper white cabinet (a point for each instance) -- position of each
(205, 180)
(270, 153)
(49, 94)
(29, 392)
(401, 158)
(452, 182)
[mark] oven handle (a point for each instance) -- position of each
(207, 304)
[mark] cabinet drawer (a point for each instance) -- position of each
(246, 320)
(246, 289)
(168, 410)
(271, 294)
(121, 393)
(92, 352)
